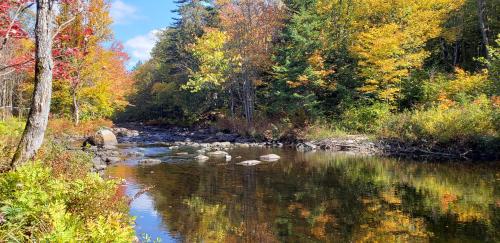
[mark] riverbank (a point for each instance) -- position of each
(210, 139)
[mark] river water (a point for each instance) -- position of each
(309, 197)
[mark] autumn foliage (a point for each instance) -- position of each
(90, 80)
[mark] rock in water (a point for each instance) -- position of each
(101, 138)
(270, 157)
(228, 157)
(201, 157)
(249, 163)
(305, 147)
(112, 160)
(124, 132)
(135, 154)
(217, 154)
(150, 162)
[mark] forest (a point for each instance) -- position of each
(422, 75)
(411, 71)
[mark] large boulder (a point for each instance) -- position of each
(102, 138)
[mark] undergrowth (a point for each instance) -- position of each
(55, 197)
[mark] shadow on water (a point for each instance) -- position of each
(312, 197)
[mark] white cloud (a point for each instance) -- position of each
(122, 12)
(139, 47)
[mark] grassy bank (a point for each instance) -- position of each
(467, 129)
(55, 198)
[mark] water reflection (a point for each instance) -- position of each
(318, 196)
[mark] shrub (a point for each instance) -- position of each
(11, 127)
(37, 205)
(324, 130)
(366, 119)
(10, 130)
(263, 128)
(85, 128)
(462, 123)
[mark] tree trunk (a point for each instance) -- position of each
(38, 116)
(76, 109)
(248, 100)
(481, 8)
(455, 54)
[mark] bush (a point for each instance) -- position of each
(263, 128)
(324, 130)
(58, 200)
(462, 123)
(365, 119)
(38, 205)
(10, 130)
(85, 128)
(11, 127)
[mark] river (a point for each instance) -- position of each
(309, 197)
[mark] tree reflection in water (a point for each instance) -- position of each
(325, 197)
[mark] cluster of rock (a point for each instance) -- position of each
(353, 143)
(103, 145)
(125, 132)
(263, 158)
(212, 139)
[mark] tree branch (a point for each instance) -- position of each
(63, 26)
(19, 10)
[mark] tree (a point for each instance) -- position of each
(158, 81)
(481, 9)
(214, 63)
(390, 40)
(15, 52)
(313, 65)
(89, 26)
(36, 124)
(247, 32)
(252, 27)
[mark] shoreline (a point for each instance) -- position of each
(212, 140)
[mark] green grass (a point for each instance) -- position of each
(11, 127)
(323, 130)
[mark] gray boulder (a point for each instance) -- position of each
(270, 157)
(249, 163)
(306, 147)
(201, 158)
(217, 154)
(103, 137)
(124, 132)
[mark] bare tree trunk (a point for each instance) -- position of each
(481, 8)
(38, 117)
(76, 109)
(455, 54)
(248, 100)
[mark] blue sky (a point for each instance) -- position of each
(137, 21)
